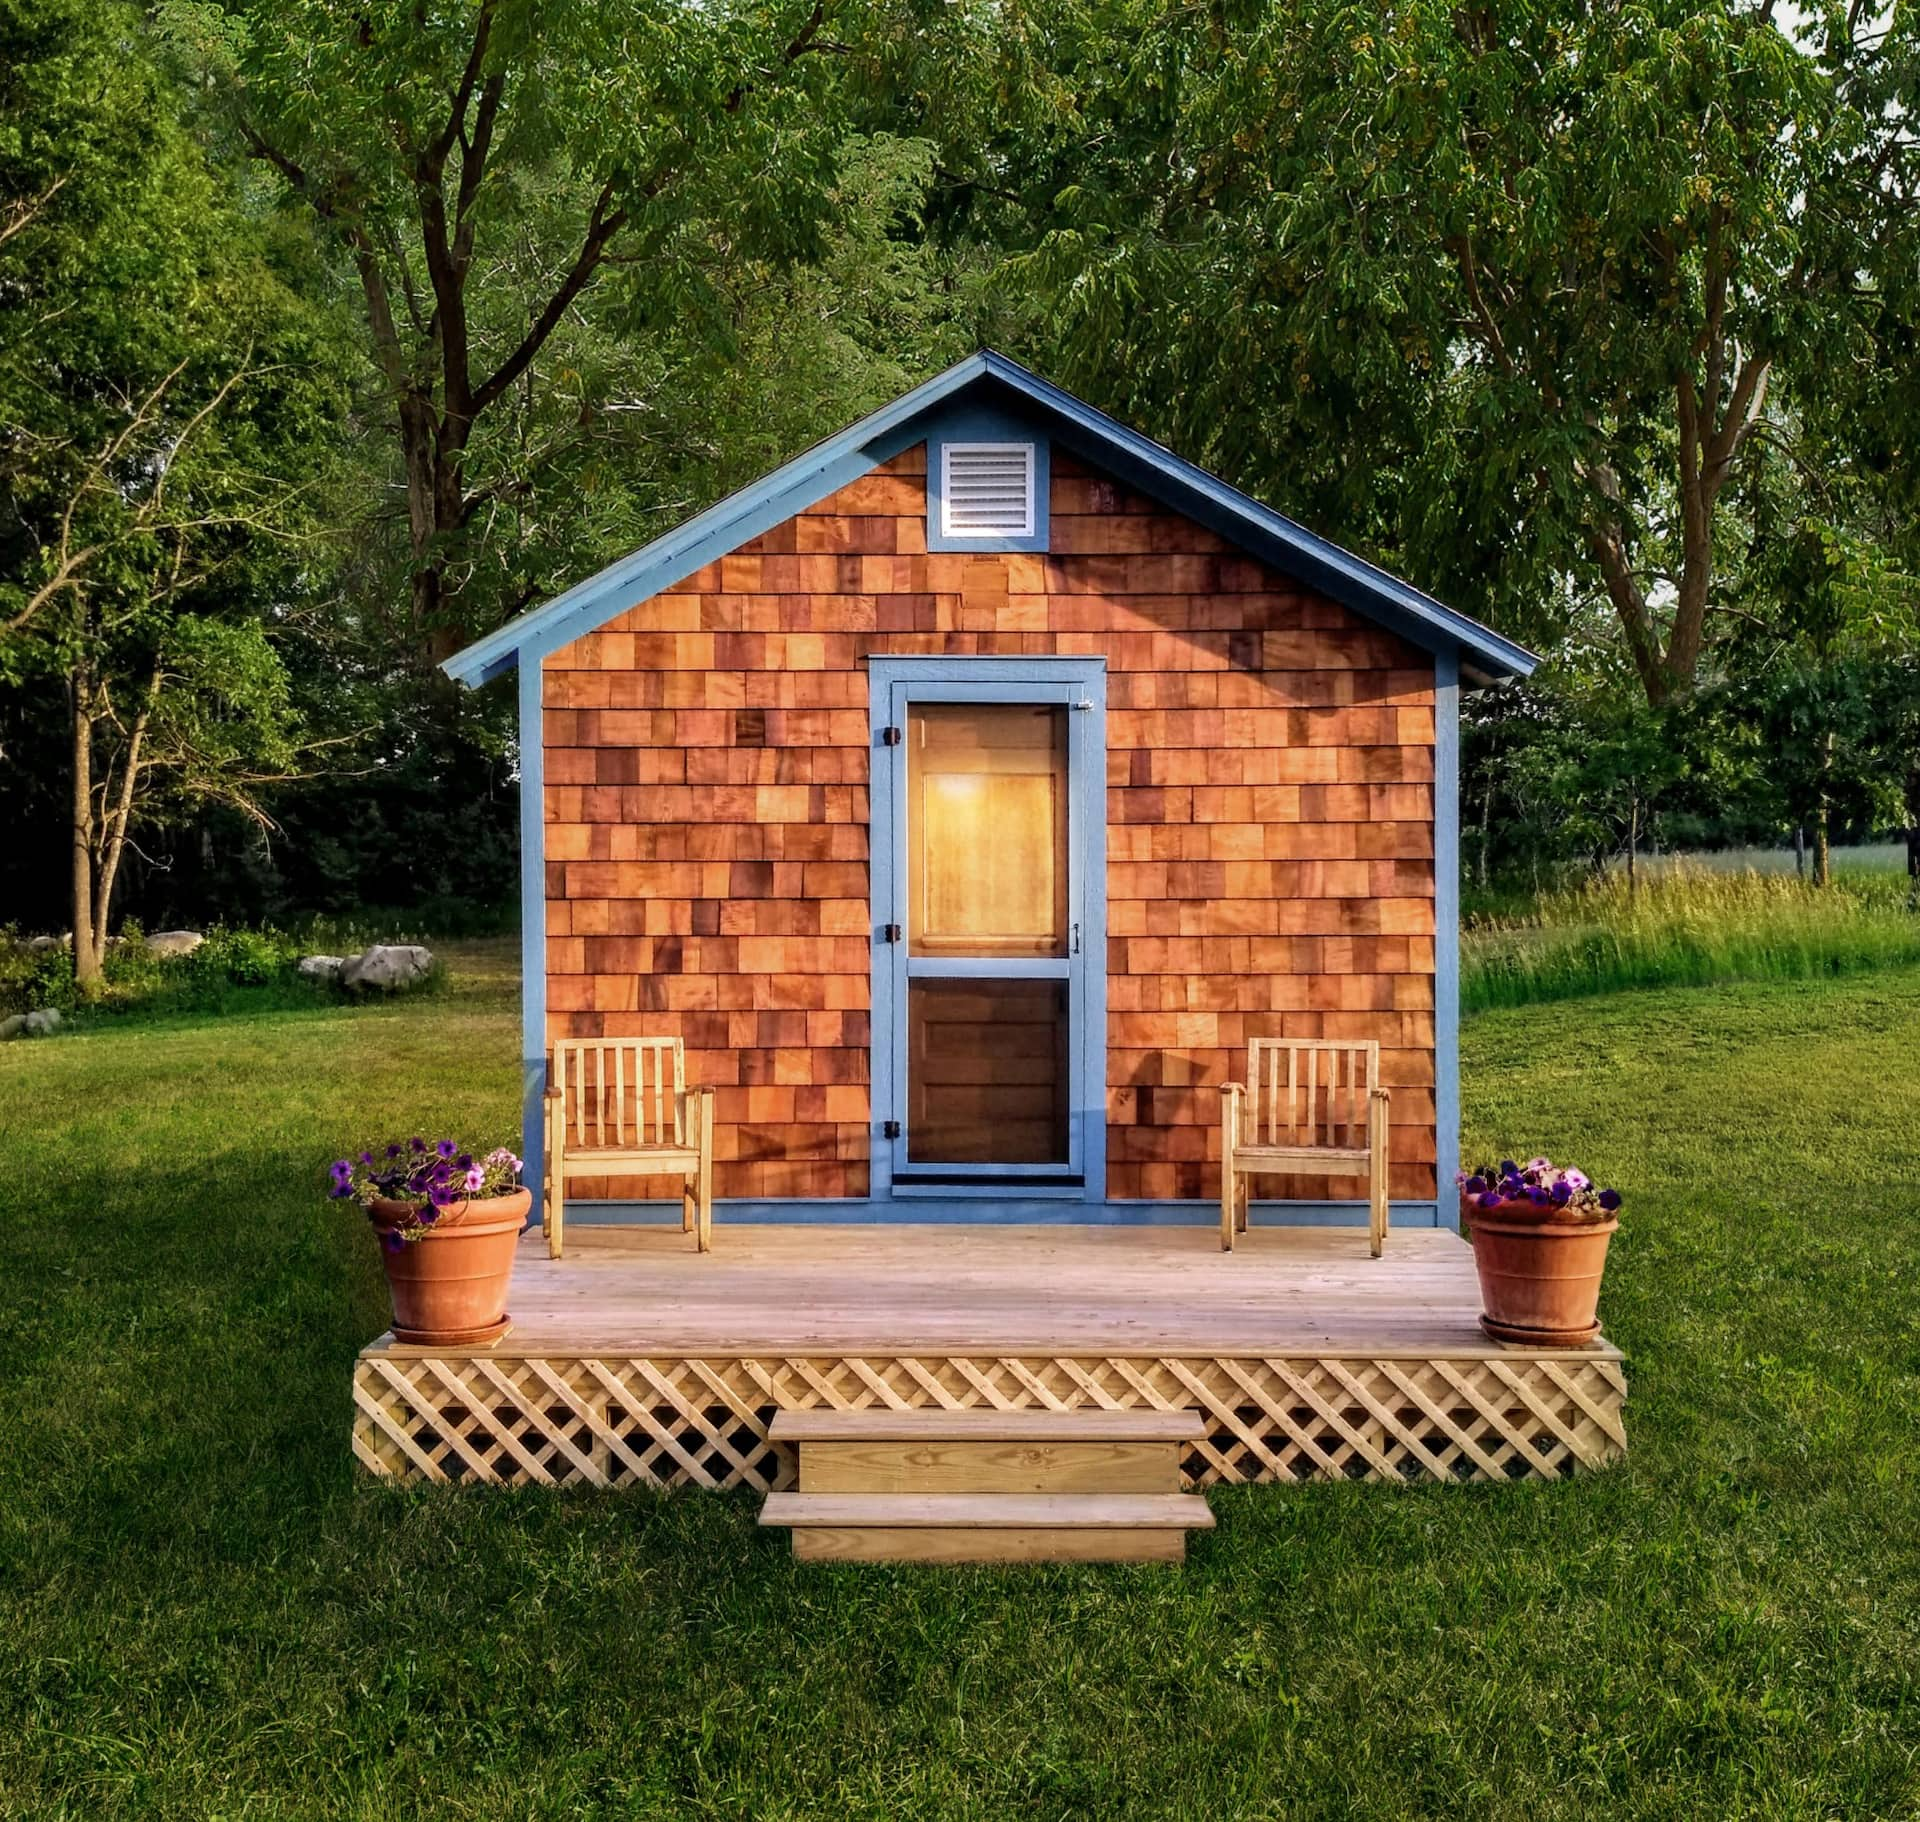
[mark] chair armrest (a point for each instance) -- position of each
(1227, 1088)
(1382, 1095)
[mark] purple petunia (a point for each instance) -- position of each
(393, 1151)
(1609, 1199)
(1491, 1199)
(416, 1144)
(1476, 1186)
(446, 1148)
(340, 1191)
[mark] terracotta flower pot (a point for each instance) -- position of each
(450, 1285)
(1539, 1280)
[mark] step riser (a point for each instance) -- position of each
(989, 1467)
(979, 1544)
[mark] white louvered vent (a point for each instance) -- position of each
(986, 490)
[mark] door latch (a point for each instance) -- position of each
(889, 933)
(890, 1129)
(889, 737)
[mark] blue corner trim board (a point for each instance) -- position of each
(990, 382)
(780, 1211)
(1446, 928)
(533, 936)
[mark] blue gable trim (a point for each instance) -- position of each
(1004, 384)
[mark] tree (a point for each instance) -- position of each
(1515, 289)
(161, 382)
(486, 165)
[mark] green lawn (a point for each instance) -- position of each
(205, 1612)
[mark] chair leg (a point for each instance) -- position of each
(704, 1219)
(1229, 1176)
(1378, 1159)
(556, 1197)
(1246, 1202)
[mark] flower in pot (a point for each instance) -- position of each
(1540, 1238)
(449, 1220)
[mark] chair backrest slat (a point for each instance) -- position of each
(1315, 1107)
(620, 1091)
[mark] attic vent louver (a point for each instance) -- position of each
(986, 490)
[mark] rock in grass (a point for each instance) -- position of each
(12, 1026)
(174, 942)
(38, 1024)
(320, 967)
(387, 968)
(39, 945)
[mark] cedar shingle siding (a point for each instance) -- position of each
(1270, 822)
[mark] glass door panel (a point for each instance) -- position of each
(986, 1072)
(990, 965)
(987, 829)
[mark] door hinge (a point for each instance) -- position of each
(890, 737)
(890, 1129)
(889, 933)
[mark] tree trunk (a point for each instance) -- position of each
(1633, 844)
(1913, 836)
(1800, 852)
(86, 952)
(1822, 822)
(111, 836)
(1486, 830)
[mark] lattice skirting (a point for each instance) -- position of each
(602, 1422)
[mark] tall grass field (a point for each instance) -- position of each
(1684, 923)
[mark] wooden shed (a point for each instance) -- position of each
(967, 794)
(965, 806)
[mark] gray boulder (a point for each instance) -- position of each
(39, 945)
(387, 968)
(320, 967)
(175, 942)
(38, 1024)
(12, 1026)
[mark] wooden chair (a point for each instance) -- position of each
(1295, 1114)
(620, 1107)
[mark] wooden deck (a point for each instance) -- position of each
(636, 1358)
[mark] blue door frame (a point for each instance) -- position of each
(1080, 685)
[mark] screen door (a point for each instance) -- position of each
(987, 1023)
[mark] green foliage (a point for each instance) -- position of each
(1503, 300)
(1684, 926)
(1722, 1626)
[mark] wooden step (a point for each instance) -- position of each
(1014, 1452)
(988, 1527)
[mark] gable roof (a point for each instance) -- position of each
(1088, 433)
